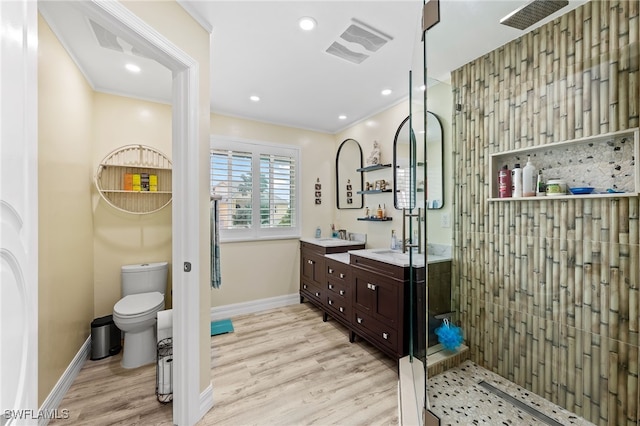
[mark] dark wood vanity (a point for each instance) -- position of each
(369, 297)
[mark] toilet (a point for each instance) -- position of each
(143, 287)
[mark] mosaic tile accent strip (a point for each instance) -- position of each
(457, 399)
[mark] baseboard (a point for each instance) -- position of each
(206, 400)
(229, 311)
(51, 404)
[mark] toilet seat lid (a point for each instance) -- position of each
(138, 304)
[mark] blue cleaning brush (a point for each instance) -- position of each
(449, 335)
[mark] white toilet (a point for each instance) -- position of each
(143, 288)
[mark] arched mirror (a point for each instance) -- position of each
(349, 182)
(407, 174)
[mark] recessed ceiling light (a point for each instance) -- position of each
(307, 23)
(254, 98)
(132, 68)
(386, 92)
(342, 117)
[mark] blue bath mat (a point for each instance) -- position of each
(221, 327)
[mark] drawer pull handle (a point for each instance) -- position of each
(310, 262)
(317, 294)
(385, 336)
(330, 302)
(371, 286)
(330, 271)
(341, 292)
(341, 309)
(341, 275)
(330, 286)
(360, 320)
(304, 286)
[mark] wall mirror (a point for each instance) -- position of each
(408, 172)
(349, 182)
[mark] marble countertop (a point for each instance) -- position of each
(330, 242)
(397, 258)
(340, 257)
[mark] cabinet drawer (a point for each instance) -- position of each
(339, 306)
(382, 333)
(311, 291)
(337, 271)
(338, 289)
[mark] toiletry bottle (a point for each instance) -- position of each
(394, 240)
(529, 179)
(541, 188)
(504, 182)
(318, 232)
(380, 212)
(516, 179)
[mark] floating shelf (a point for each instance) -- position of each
(374, 191)
(374, 167)
(111, 179)
(375, 219)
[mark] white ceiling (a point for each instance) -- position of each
(258, 49)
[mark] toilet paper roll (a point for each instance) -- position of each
(165, 324)
(165, 376)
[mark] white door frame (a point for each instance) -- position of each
(187, 409)
(18, 212)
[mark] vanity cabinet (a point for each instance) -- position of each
(313, 284)
(381, 304)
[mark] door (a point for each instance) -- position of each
(18, 213)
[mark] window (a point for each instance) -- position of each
(258, 183)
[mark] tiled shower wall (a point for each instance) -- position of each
(548, 291)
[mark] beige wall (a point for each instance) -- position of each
(65, 264)
(122, 238)
(382, 127)
(257, 270)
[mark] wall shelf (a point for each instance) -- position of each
(373, 167)
(135, 179)
(602, 161)
(375, 219)
(374, 191)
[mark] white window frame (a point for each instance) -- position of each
(256, 148)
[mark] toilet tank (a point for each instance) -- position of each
(144, 278)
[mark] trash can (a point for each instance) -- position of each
(164, 370)
(105, 338)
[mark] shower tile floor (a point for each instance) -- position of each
(457, 399)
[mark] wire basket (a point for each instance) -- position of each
(164, 371)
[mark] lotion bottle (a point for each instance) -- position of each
(516, 179)
(394, 240)
(529, 179)
(504, 182)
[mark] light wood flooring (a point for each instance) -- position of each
(279, 367)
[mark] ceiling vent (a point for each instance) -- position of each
(532, 12)
(109, 40)
(361, 39)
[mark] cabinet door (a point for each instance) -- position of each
(378, 296)
(364, 295)
(312, 267)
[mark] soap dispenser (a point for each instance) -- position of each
(394, 240)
